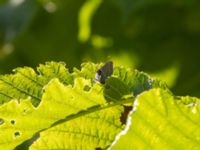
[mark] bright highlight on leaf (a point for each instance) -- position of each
(52, 108)
(161, 122)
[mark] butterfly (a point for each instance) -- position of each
(105, 71)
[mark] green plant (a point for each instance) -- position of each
(52, 108)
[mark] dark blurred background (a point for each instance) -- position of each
(160, 37)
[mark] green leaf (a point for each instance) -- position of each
(55, 70)
(27, 83)
(115, 89)
(160, 121)
(137, 82)
(87, 71)
(58, 101)
(95, 130)
(71, 107)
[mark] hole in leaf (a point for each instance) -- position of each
(86, 88)
(1, 121)
(98, 148)
(25, 110)
(17, 134)
(12, 122)
(124, 115)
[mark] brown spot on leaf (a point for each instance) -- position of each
(124, 115)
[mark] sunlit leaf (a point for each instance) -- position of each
(159, 121)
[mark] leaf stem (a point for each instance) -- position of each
(93, 109)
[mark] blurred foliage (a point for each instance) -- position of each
(156, 36)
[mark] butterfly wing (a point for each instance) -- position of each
(104, 72)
